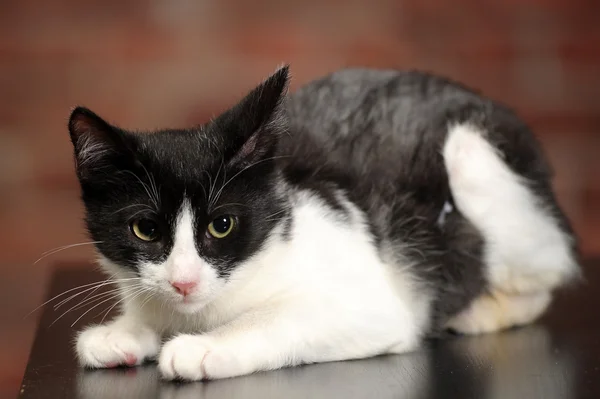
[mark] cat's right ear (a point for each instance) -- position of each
(94, 140)
(252, 127)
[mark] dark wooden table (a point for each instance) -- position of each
(559, 357)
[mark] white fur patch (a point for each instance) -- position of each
(525, 249)
(183, 263)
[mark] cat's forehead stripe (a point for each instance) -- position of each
(184, 228)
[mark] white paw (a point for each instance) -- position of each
(197, 357)
(489, 313)
(113, 345)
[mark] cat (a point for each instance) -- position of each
(363, 213)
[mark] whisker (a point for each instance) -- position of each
(218, 194)
(276, 219)
(148, 299)
(93, 285)
(94, 288)
(119, 301)
(91, 290)
(119, 290)
(229, 204)
(131, 206)
(63, 247)
(203, 190)
(111, 277)
(92, 308)
(71, 297)
(87, 298)
(144, 185)
(211, 201)
(136, 213)
(278, 212)
(114, 293)
(70, 309)
(277, 216)
(153, 186)
(224, 172)
(210, 185)
(162, 306)
(215, 198)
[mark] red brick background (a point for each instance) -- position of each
(147, 64)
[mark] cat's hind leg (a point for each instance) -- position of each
(527, 254)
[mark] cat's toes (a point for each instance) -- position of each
(111, 346)
(196, 357)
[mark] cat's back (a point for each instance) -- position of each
(339, 95)
(350, 102)
(370, 123)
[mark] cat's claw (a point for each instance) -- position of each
(196, 357)
(113, 345)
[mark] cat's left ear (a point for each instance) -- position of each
(252, 128)
(96, 143)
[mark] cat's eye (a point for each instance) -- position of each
(221, 226)
(145, 229)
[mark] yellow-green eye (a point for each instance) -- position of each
(145, 229)
(221, 226)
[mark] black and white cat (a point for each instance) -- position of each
(366, 211)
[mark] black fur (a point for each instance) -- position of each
(375, 136)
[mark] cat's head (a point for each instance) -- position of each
(183, 209)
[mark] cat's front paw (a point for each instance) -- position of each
(114, 345)
(197, 357)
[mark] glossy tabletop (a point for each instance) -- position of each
(558, 357)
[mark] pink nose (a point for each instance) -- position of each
(183, 287)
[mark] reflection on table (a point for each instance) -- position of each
(522, 363)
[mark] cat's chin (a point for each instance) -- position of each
(188, 307)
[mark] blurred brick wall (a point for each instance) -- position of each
(147, 64)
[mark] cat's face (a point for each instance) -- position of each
(183, 209)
